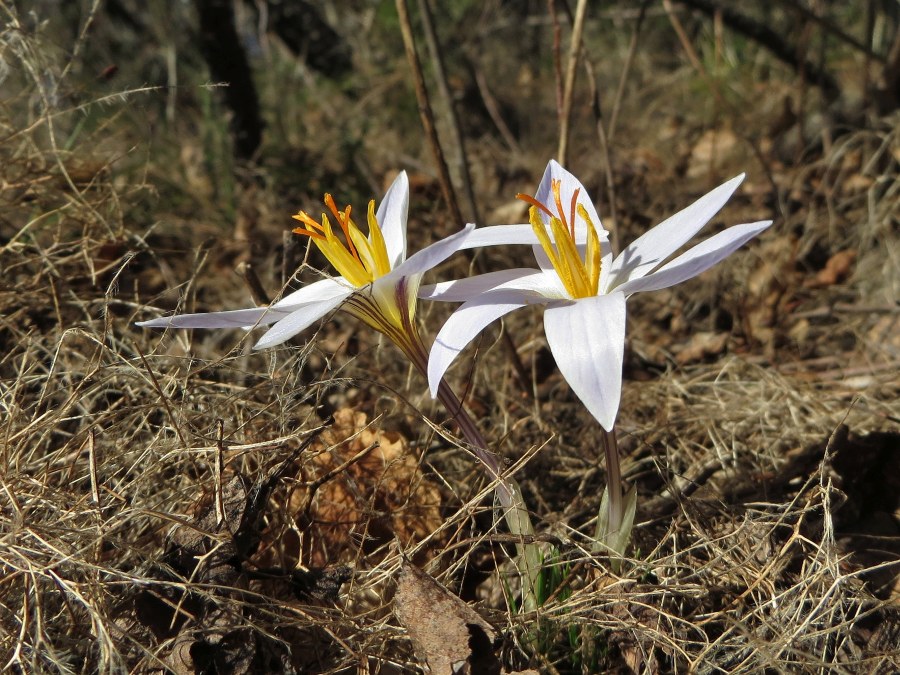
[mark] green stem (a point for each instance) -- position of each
(505, 487)
(613, 480)
(381, 313)
(416, 352)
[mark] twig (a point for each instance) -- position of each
(569, 83)
(257, 292)
(499, 538)
(612, 223)
(605, 137)
(426, 114)
(92, 464)
(162, 395)
(493, 110)
(557, 58)
(440, 76)
(626, 70)
(219, 469)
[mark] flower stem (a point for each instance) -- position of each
(416, 352)
(508, 494)
(613, 480)
(505, 487)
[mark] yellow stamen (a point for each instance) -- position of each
(580, 277)
(382, 264)
(594, 253)
(343, 219)
(540, 230)
(360, 260)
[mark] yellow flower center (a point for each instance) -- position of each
(361, 260)
(357, 258)
(581, 277)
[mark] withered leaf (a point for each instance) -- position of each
(450, 636)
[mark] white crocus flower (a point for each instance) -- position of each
(582, 286)
(377, 283)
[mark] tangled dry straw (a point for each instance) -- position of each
(766, 538)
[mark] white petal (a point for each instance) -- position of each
(697, 259)
(587, 338)
(543, 260)
(568, 185)
(465, 289)
(506, 235)
(299, 320)
(649, 250)
(464, 324)
(324, 289)
(237, 318)
(431, 256)
(391, 216)
(501, 235)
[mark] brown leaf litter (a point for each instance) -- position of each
(448, 635)
(210, 627)
(361, 483)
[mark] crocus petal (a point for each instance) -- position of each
(467, 322)
(391, 215)
(501, 235)
(587, 338)
(299, 320)
(568, 185)
(697, 259)
(431, 256)
(465, 289)
(649, 250)
(237, 318)
(504, 235)
(324, 289)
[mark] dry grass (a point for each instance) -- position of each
(759, 422)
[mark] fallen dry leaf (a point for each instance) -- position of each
(379, 497)
(448, 634)
(714, 148)
(701, 345)
(836, 270)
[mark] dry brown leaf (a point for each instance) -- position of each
(836, 270)
(858, 182)
(448, 634)
(382, 496)
(884, 335)
(770, 288)
(714, 148)
(701, 346)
